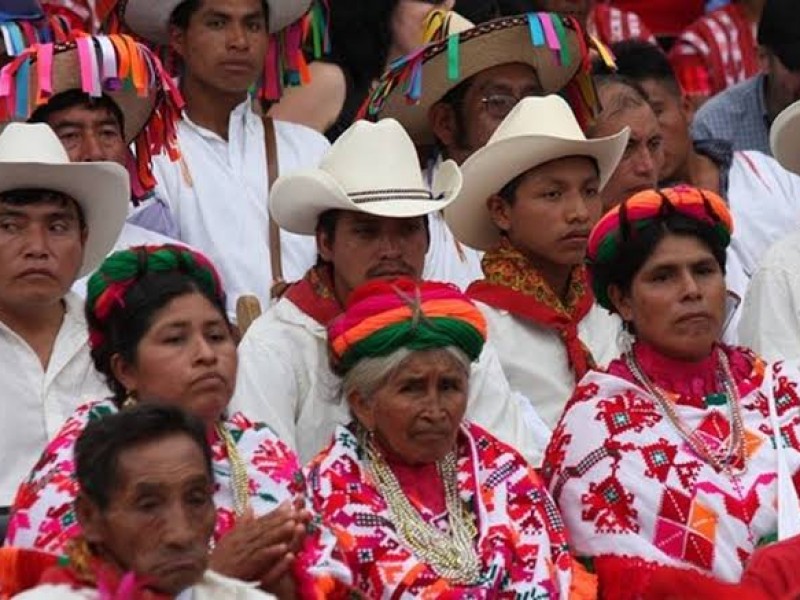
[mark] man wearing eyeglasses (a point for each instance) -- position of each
(464, 92)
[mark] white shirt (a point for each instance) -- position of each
(35, 402)
(218, 197)
(449, 260)
(770, 322)
(212, 586)
(131, 235)
(534, 358)
(284, 380)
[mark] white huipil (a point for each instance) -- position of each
(217, 194)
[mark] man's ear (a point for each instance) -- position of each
(499, 211)
(324, 246)
(90, 519)
(444, 124)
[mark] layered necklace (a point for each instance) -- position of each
(451, 555)
(726, 457)
(240, 483)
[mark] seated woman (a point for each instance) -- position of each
(424, 504)
(145, 506)
(530, 198)
(158, 332)
(668, 458)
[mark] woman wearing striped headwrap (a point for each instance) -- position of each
(425, 504)
(159, 333)
(668, 457)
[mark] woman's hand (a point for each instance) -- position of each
(261, 548)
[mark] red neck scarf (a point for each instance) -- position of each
(512, 283)
(314, 295)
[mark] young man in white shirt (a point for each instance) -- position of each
(218, 193)
(367, 204)
(58, 220)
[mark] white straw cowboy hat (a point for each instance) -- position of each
(150, 18)
(784, 138)
(536, 131)
(32, 157)
(372, 168)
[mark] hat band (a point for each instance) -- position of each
(392, 194)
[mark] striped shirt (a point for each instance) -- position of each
(612, 25)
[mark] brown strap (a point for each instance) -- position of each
(271, 146)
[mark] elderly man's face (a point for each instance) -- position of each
(90, 134)
(160, 515)
(41, 249)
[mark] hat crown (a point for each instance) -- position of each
(549, 116)
(374, 156)
(31, 143)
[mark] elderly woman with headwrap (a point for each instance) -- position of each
(424, 504)
(682, 453)
(159, 333)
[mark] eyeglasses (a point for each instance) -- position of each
(499, 105)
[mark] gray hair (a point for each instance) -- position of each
(369, 374)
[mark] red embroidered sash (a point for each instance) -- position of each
(313, 294)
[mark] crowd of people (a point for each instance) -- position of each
(328, 299)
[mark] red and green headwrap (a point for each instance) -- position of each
(640, 210)
(385, 315)
(109, 285)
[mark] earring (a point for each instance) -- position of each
(625, 338)
(130, 399)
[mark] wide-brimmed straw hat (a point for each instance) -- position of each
(535, 132)
(372, 168)
(32, 157)
(784, 138)
(555, 46)
(150, 18)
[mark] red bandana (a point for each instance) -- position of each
(513, 284)
(313, 294)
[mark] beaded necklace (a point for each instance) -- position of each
(240, 487)
(735, 451)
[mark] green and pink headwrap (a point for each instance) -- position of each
(385, 315)
(109, 285)
(642, 209)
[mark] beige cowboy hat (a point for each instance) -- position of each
(784, 138)
(498, 42)
(536, 131)
(372, 168)
(32, 157)
(150, 18)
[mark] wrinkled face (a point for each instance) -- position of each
(416, 413)
(555, 207)
(41, 251)
(160, 515)
(674, 115)
(366, 247)
(187, 358)
(644, 156)
(224, 45)
(783, 85)
(407, 24)
(490, 96)
(579, 9)
(90, 134)
(677, 299)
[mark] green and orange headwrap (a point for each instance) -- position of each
(640, 210)
(385, 315)
(109, 285)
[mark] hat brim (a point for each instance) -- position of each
(493, 166)
(784, 138)
(102, 190)
(150, 18)
(499, 42)
(297, 201)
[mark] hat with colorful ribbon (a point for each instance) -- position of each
(25, 22)
(554, 45)
(383, 316)
(622, 222)
(116, 66)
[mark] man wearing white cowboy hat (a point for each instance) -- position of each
(367, 204)
(770, 320)
(219, 192)
(530, 198)
(456, 92)
(58, 220)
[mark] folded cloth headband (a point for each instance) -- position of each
(621, 223)
(109, 285)
(384, 316)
